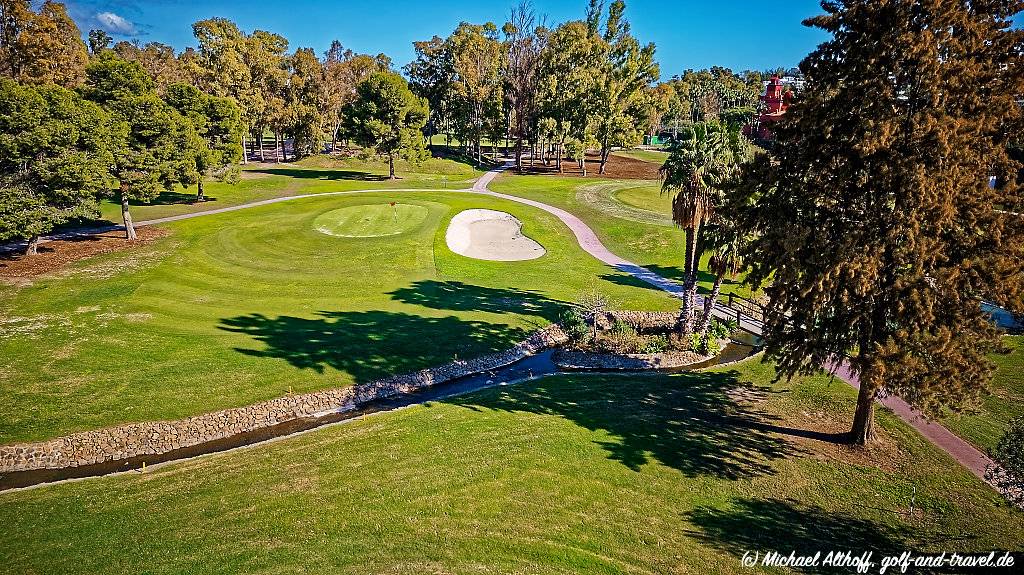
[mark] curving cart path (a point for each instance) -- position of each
(962, 451)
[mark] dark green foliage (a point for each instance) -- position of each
(387, 117)
(54, 156)
(878, 226)
(1008, 474)
(218, 123)
(574, 324)
(154, 146)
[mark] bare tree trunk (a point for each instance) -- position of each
(558, 158)
(200, 196)
(245, 158)
(391, 166)
(33, 246)
(863, 431)
(277, 145)
(129, 227)
(709, 304)
(262, 157)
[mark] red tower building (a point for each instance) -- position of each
(772, 108)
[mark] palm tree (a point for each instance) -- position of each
(724, 240)
(694, 172)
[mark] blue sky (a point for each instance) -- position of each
(689, 34)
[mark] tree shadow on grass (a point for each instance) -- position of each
(786, 525)
(371, 344)
(669, 272)
(326, 174)
(688, 422)
(171, 198)
(459, 296)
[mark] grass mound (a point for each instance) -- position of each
(371, 220)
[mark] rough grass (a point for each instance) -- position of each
(244, 306)
(985, 428)
(569, 474)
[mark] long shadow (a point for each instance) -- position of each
(670, 272)
(785, 525)
(459, 296)
(687, 422)
(170, 198)
(369, 344)
(322, 174)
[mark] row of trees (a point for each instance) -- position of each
(61, 149)
(78, 123)
(873, 221)
(582, 84)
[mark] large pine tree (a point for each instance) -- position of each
(878, 226)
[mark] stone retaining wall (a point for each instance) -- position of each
(150, 438)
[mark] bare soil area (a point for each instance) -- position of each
(58, 254)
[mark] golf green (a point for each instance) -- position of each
(370, 221)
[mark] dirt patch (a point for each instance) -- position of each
(618, 167)
(58, 254)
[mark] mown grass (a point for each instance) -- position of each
(245, 306)
(986, 427)
(631, 217)
(313, 175)
(568, 474)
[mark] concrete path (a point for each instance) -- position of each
(960, 450)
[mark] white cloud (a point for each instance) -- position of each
(115, 24)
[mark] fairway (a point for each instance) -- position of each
(370, 221)
(566, 474)
(245, 306)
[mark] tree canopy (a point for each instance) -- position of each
(388, 117)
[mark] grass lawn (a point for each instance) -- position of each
(630, 216)
(569, 474)
(984, 429)
(244, 306)
(309, 176)
(652, 156)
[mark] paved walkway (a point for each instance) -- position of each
(960, 450)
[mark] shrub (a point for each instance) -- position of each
(574, 325)
(1007, 475)
(706, 345)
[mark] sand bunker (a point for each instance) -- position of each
(490, 235)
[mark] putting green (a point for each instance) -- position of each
(370, 220)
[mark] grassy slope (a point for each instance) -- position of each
(653, 243)
(1006, 402)
(309, 176)
(241, 307)
(580, 474)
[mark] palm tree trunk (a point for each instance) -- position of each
(709, 304)
(689, 282)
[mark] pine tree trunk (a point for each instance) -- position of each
(245, 158)
(558, 158)
(277, 145)
(863, 431)
(519, 153)
(129, 227)
(262, 157)
(604, 157)
(200, 196)
(33, 246)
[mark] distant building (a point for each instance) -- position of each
(778, 94)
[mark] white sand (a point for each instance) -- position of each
(490, 235)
